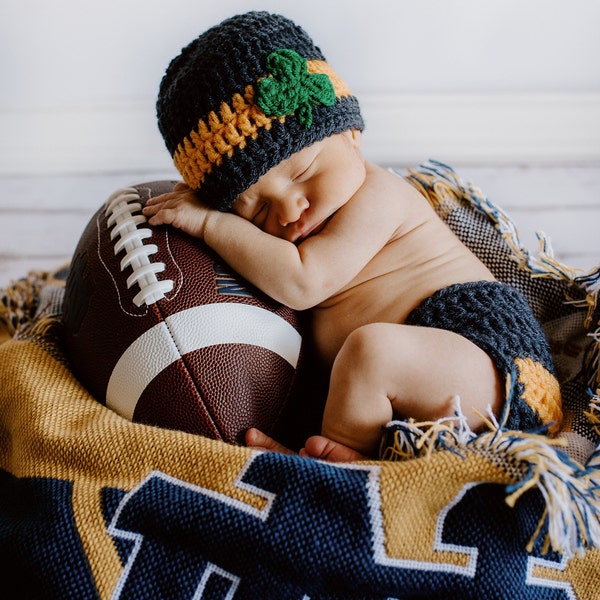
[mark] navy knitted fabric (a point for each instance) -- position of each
(497, 318)
(220, 63)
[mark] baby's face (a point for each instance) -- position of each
(297, 197)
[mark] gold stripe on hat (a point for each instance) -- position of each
(321, 66)
(222, 133)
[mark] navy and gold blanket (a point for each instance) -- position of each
(94, 506)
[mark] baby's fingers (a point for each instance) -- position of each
(177, 213)
(161, 216)
(179, 189)
(157, 200)
(151, 209)
(161, 203)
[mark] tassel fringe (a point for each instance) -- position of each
(441, 185)
(594, 413)
(571, 518)
(403, 440)
(19, 302)
(31, 308)
(570, 522)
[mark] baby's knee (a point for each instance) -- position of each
(365, 344)
(385, 342)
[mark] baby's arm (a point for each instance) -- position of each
(265, 260)
(298, 276)
(231, 236)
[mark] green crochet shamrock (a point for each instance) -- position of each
(292, 89)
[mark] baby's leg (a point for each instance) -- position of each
(386, 370)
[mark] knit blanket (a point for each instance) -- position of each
(94, 506)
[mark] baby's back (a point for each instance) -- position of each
(423, 257)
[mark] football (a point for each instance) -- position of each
(161, 331)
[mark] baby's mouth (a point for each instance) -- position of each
(312, 231)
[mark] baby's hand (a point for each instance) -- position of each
(180, 208)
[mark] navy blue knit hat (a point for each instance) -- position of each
(245, 95)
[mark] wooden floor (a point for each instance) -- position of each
(42, 217)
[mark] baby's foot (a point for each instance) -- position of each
(323, 448)
(261, 441)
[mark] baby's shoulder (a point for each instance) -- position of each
(389, 179)
(390, 188)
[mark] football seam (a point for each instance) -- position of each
(169, 296)
(176, 265)
(126, 234)
(189, 374)
(111, 276)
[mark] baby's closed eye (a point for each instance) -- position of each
(260, 216)
(304, 174)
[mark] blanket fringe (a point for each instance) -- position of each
(20, 300)
(571, 517)
(440, 185)
(31, 308)
(570, 522)
(594, 413)
(544, 263)
(406, 439)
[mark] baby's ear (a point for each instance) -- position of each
(355, 136)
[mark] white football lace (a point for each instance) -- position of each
(120, 209)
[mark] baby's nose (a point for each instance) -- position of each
(291, 210)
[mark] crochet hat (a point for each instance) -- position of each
(245, 95)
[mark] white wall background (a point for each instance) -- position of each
(487, 86)
(465, 81)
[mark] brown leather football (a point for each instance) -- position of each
(160, 330)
